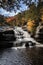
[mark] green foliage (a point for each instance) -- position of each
(32, 13)
(2, 20)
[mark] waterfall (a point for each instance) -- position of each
(37, 30)
(23, 39)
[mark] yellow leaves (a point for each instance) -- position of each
(29, 28)
(42, 17)
(30, 25)
(23, 18)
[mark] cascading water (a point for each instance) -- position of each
(18, 31)
(23, 37)
(37, 30)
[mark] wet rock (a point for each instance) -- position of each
(39, 33)
(30, 43)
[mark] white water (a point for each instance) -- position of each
(19, 47)
(37, 30)
(27, 37)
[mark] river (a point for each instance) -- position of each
(21, 56)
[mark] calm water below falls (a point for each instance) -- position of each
(23, 56)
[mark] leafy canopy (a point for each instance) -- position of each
(14, 4)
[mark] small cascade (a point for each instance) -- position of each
(37, 30)
(23, 39)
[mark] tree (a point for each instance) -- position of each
(10, 4)
(2, 20)
(40, 10)
(14, 4)
(31, 26)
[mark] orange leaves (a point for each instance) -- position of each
(9, 19)
(30, 25)
(42, 17)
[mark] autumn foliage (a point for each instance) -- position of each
(30, 17)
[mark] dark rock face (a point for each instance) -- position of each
(7, 38)
(27, 45)
(39, 35)
(30, 43)
(7, 35)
